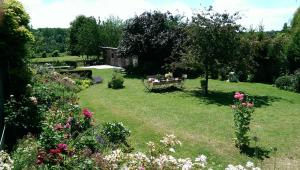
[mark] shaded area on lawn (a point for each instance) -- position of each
(226, 98)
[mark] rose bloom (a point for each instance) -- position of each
(58, 127)
(62, 146)
(239, 96)
(250, 104)
(87, 113)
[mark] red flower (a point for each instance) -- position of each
(87, 113)
(55, 151)
(62, 146)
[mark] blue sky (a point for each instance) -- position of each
(59, 13)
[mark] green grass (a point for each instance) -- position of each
(204, 125)
(59, 59)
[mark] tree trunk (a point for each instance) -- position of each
(206, 80)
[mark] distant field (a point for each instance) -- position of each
(58, 59)
(204, 124)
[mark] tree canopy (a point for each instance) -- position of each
(154, 38)
(214, 40)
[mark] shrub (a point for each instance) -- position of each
(25, 155)
(243, 109)
(55, 53)
(116, 81)
(288, 82)
(116, 133)
(5, 161)
(44, 54)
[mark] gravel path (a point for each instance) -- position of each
(102, 67)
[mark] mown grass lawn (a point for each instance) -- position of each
(203, 124)
(58, 59)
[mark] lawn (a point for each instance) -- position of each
(203, 124)
(58, 59)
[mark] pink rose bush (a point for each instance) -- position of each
(243, 109)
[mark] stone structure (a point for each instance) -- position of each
(112, 57)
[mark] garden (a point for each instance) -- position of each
(203, 94)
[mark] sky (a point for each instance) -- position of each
(272, 14)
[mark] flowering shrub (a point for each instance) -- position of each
(160, 157)
(243, 109)
(6, 163)
(116, 133)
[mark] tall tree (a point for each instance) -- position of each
(110, 31)
(293, 47)
(84, 36)
(15, 34)
(152, 37)
(214, 40)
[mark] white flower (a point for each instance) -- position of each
(249, 164)
(172, 150)
(201, 158)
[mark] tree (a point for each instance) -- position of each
(293, 47)
(110, 32)
(154, 38)
(15, 35)
(214, 40)
(84, 36)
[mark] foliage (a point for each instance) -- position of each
(110, 31)
(291, 82)
(116, 133)
(155, 38)
(44, 54)
(15, 35)
(213, 40)
(84, 84)
(47, 40)
(23, 115)
(6, 163)
(84, 37)
(116, 81)
(160, 156)
(55, 53)
(25, 155)
(243, 109)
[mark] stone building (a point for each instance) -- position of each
(112, 57)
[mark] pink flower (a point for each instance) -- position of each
(69, 120)
(244, 104)
(67, 126)
(62, 146)
(239, 96)
(87, 113)
(58, 127)
(250, 104)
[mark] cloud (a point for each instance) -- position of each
(60, 13)
(252, 15)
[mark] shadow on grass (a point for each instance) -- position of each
(256, 152)
(165, 90)
(226, 98)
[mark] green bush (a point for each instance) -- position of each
(116, 133)
(44, 54)
(25, 155)
(55, 53)
(116, 81)
(288, 82)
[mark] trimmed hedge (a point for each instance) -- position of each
(81, 73)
